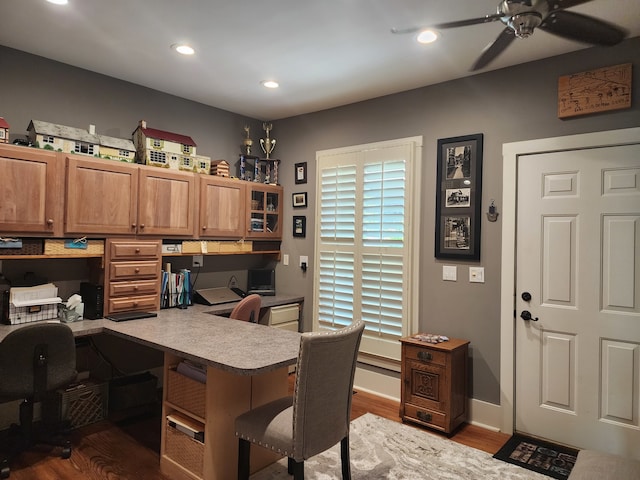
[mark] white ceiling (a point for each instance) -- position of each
(324, 53)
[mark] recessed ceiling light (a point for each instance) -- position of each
(270, 84)
(427, 36)
(58, 2)
(183, 49)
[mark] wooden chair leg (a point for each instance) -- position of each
(297, 470)
(344, 455)
(244, 448)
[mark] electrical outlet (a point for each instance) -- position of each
(198, 261)
(476, 274)
(233, 282)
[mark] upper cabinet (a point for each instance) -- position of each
(101, 197)
(264, 211)
(107, 197)
(166, 202)
(31, 186)
(222, 207)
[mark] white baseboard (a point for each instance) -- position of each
(483, 414)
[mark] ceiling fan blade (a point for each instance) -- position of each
(576, 26)
(494, 49)
(562, 4)
(442, 26)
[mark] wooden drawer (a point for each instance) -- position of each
(129, 304)
(132, 270)
(135, 249)
(425, 355)
(121, 289)
(425, 416)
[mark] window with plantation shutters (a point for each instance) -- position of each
(365, 249)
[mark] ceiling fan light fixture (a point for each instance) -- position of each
(269, 84)
(427, 36)
(524, 24)
(58, 2)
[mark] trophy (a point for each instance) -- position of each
(267, 144)
(247, 142)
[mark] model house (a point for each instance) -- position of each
(62, 138)
(501, 302)
(4, 131)
(168, 150)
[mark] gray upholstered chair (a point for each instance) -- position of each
(317, 416)
(248, 309)
(34, 359)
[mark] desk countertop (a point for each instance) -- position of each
(238, 347)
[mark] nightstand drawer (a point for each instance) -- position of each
(425, 416)
(425, 355)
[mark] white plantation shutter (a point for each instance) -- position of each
(363, 251)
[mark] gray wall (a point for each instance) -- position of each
(508, 105)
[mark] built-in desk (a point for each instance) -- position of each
(267, 301)
(246, 367)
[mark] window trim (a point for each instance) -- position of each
(413, 211)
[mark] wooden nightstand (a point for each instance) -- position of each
(434, 383)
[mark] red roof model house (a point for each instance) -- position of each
(169, 150)
(4, 131)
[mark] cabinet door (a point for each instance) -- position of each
(264, 212)
(222, 207)
(166, 202)
(31, 182)
(101, 196)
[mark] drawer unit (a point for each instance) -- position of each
(285, 317)
(434, 383)
(132, 275)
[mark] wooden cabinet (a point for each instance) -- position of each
(31, 186)
(434, 383)
(101, 197)
(112, 198)
(212, 407)
(166, 202)
(222, 207)
(132, 275)
(264, 211)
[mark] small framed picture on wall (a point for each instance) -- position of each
(300, 226)
(301, 172)
(299, 200)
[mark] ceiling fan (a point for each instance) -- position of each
(522, 17)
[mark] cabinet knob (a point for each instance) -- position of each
(424, 416)
(137, 250)
(135, 304)
(204, 227)
(133, 225)
(137, 270)
(142, 225)
(50, 221)
(135, 288)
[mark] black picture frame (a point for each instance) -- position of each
(299, 199)
(300, 226)
(301, 172)
(459, 197)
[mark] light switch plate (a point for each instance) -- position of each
(285, 259)
(450, 273)
(476, 274)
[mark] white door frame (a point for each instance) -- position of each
(510, 154)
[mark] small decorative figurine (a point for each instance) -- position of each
(267, 144)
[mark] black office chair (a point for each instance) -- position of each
(34, 360)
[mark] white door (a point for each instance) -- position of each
(578, 277)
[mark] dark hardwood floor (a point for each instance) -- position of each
(129, 449)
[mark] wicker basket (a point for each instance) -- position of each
(184, 450)
(186, 393)
(30, 246)
(57, 246)
(240, 246)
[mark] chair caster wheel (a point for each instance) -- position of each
(5, 472)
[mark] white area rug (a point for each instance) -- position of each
(382, 449)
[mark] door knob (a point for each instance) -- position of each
(526, 296)
(526, 315)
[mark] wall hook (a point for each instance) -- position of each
(492, 214)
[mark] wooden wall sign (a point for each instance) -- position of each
(607, 88)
